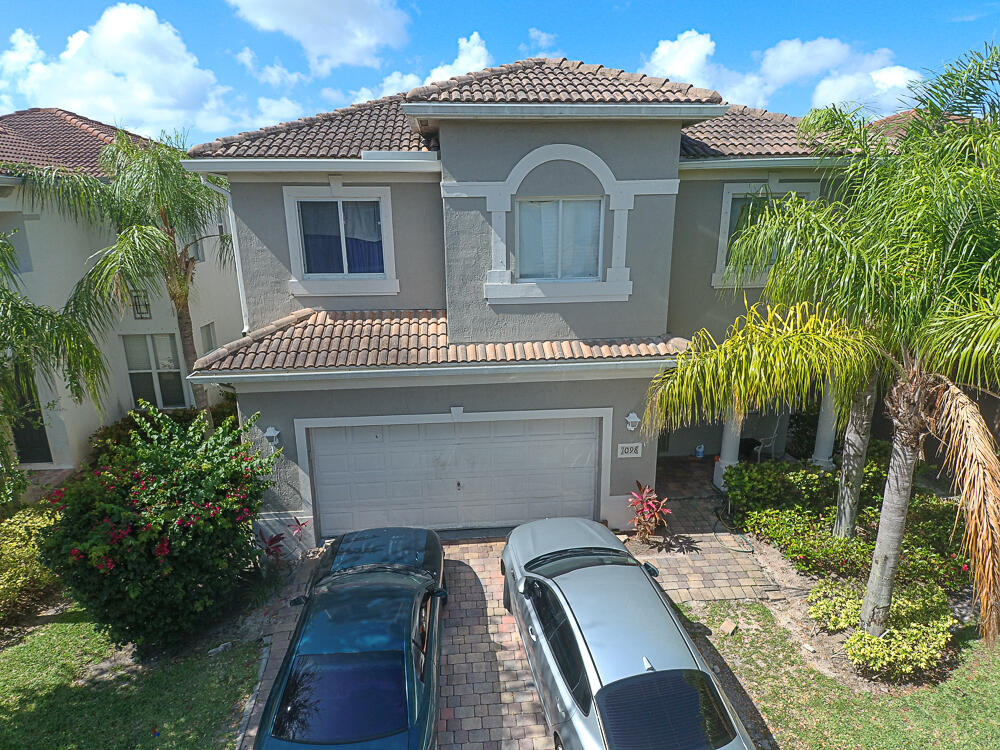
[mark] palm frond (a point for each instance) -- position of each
(780, 357)
(75, 193)
(8, 263)
(970, 455)
(961, 340)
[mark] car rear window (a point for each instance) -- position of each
(676, 707)
(335, 698)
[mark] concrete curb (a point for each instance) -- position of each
(252, 700)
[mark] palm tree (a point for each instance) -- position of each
(36, 340)
(158, 212)
(905, 256)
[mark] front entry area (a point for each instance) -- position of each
(453, 473)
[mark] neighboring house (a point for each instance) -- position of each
(142, 350)
(457, 296)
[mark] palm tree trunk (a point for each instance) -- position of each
(186, 329)
(852, 470)
(889, 542)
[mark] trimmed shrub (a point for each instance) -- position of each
(23, 578)
(919, 629)
(152, 542)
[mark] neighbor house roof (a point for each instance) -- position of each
(381, 125)
(53, 138)
(743, 132)
(322, 339)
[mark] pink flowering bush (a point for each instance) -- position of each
(153, 541)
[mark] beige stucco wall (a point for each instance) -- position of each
(263, 239)
(54, 252)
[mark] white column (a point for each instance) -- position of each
(730, 453)
(499, 274)
(826, 431)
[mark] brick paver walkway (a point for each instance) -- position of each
(487, 699)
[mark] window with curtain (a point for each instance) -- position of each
(341, 237)
(559, 238)
(154, 370)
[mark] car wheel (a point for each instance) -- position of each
(559, 745)
(506, 594)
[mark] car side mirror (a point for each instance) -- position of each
(439, 593)
(298, 601)
(526, 587)
(651, 569)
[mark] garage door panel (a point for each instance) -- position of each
(454, 474)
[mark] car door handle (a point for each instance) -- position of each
(560, 707)
(531, 633)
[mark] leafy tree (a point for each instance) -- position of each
(35, 341)
(158, 212)
(902, 264)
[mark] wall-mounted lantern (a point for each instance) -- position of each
(632, 421)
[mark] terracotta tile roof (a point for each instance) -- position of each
(743, 131)
(319, 339)
(560, 81)
(53, 138)
(380, 125)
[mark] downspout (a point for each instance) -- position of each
(236, 250)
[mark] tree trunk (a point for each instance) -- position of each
(852, 470)
(190, 354)
(889, 542)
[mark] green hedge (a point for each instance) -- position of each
(916, 640)
(153, 541)
(23, 578)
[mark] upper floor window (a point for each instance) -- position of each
(340, 240)
(736, 201)
(559, 238)
(341, 237)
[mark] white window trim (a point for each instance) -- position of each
(154, 371)
(500, 287)
(560, 198)
(329, 285)
(739, 189)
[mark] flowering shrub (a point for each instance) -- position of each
(22, 575)
(919, 628)
(650, 511)
(152, 541)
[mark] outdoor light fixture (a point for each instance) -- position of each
(632, 421)
(271, 434)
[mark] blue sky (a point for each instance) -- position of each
(216, 67)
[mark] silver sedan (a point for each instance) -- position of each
(613, 667)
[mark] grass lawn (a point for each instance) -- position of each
(187, 700)
(806, 709)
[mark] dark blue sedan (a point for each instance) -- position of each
(362, 669)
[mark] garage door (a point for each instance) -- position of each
(453, 474)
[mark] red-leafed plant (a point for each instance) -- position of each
(650, 511)
(272, 544)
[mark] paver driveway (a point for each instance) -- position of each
(488, 698)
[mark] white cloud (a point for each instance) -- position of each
(335, 96)
(129, 69)
(275, 75)
(689, 58)
(472, 55)
(277, 110)
(540, 44)
(347, 32)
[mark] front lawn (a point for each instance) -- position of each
(188, 700)
(806, 709)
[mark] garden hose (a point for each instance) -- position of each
(746, 547)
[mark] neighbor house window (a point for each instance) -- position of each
(342, 237)
(154, 369)
(736, 201)
(208, 338)
(340, 240)
(559, 238)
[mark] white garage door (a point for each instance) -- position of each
(453, 474)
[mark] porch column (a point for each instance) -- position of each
(826, 431)
(730, 453)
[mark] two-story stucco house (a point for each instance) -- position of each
(142, 351)
(457, 296)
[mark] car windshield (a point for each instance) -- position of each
(682, 704)
(566, 561)
(336, 698)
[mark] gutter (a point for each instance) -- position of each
(427, 163)
(234, 234)
(641, 366)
